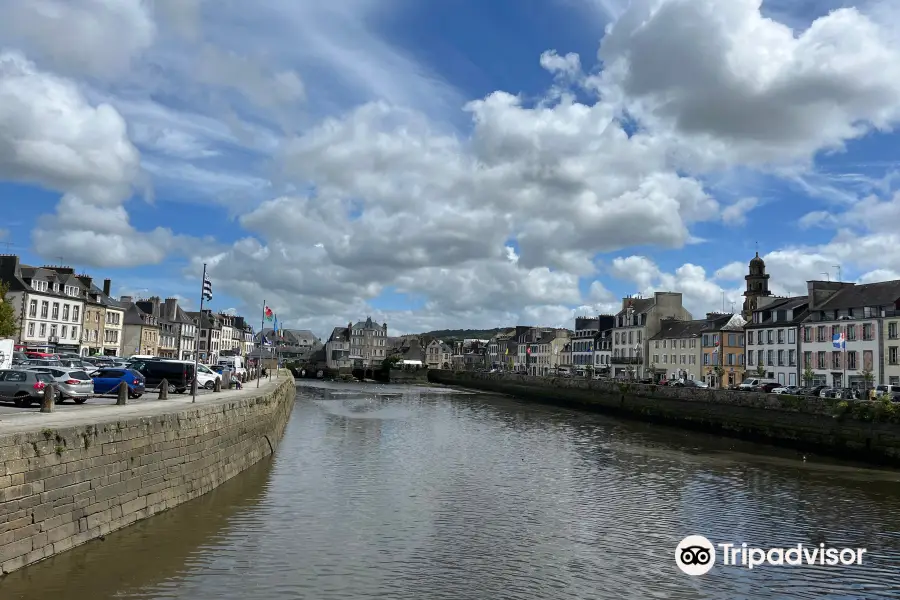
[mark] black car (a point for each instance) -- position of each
(178, 375)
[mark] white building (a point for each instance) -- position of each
(438, 355)
(856, 312)
(48, 303)
(638, 321)
(602, 355)
(772, 339)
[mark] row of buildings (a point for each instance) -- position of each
(840, 334)
(59, 311)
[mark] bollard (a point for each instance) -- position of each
(123, 394)
(163, 390)
(226, 380)
(49, 398)
(194, 387)
(218, 386)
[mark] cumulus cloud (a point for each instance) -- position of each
(98, 38)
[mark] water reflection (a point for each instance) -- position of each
(407, 492)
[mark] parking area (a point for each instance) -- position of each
(8, 408)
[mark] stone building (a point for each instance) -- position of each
(638, 321)
(141, 330)
(368, 343)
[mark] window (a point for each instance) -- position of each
(781, 358)
(705, 358)
(74, 332)
(750, 338)
(770, 336)
(31, 330)
(684, 359)
(851, 333)
(792, 336)
(820, 334)
(781, 336)
(760, 357)
(43, 330)
(759, 336)
(892, 355)
(770, 358)
(673, 358)
(53, 331)
(656, 344)
(730, 359)
(750, 358)
(868, 332)
(836, 359)
(664, 344)
(55, 313)
(65, 331)
(45, 306)
(851, 360)
(732, 339)
(820, 359)
(792, 358)
(892, 329)
(807, 360)
(807, 334)
(705, 340)
(32, 308)
(65, 313)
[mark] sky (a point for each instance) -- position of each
(454, 164)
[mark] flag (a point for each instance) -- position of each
(275, 326)
(507, 350)
(269, 314)
(838, 341)
(207, 288)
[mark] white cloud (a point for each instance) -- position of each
(736, 213)
(80, 37)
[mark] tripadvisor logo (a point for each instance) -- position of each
(696, 555)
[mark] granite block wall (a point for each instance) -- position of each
(65, 486)
(860, 430)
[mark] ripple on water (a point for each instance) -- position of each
(439, 496)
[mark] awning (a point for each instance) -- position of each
(411, 363)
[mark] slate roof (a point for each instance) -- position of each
(881, 294)
(676, 329)
(640, 305)
(799, 304)
(339, 334)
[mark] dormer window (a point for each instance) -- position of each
(39, 286)
(56, 287)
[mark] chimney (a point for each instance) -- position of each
(107, 286)
(9, 264)
(171, 308)
(126, 299)
(86, 281)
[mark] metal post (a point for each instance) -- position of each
(259, 359)
(199, 324)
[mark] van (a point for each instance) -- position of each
(234, 364)
(889, 389)
(206, 377)
(752, 382)
(178, 375)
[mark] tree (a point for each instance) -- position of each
(868, 378)
(808, 375)
(8, 322)
(390, 363)
(720, 374)
(760, 370)
(589, 371)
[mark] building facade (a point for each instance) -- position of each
(890, 334)
(140, 331)
(337, 349)
(757, 281)
(723, 350)
(49, 305)
(586, 329)
(368, 343)
(843, 340)
(676, 351)
(773, 339)
(603, 351)
(639, 320)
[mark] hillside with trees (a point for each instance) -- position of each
(464, 334)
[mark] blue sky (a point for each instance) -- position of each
(451, 164)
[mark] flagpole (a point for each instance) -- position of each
(259, 360)
(844, 359)
(196, 382)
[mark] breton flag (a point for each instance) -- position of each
(839, 341)
(268, 313)
(207, 288)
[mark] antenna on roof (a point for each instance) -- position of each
(838, 267)
(827, 276)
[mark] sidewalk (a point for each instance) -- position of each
(31, 419)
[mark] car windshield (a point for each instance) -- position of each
(44, 377)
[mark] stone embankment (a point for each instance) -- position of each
(70, 477)
(862, 430)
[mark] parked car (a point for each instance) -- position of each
(767, 388)
(692, 383)
(108, 380)
(19, 358)
(178, 375)
(41, 362)
(206, 377)
(23, 386)
(753, 383)
(71, 383)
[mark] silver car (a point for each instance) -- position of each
(71, 383)
(23, 387)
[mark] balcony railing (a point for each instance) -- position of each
(626, 360)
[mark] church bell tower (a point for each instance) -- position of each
(757, 286)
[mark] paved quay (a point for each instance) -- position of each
(13, 419)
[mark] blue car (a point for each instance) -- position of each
(107, 381)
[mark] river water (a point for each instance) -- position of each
(417, 493)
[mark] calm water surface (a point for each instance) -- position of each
(415, 493)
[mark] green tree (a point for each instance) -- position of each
(390, 363)
(8, 323)
(868, 378)
(808, 375)
(720, 374)
(760, 370)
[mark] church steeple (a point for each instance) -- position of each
(757, 286)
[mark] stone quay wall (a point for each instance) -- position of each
(61, 486)
(861, 430)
